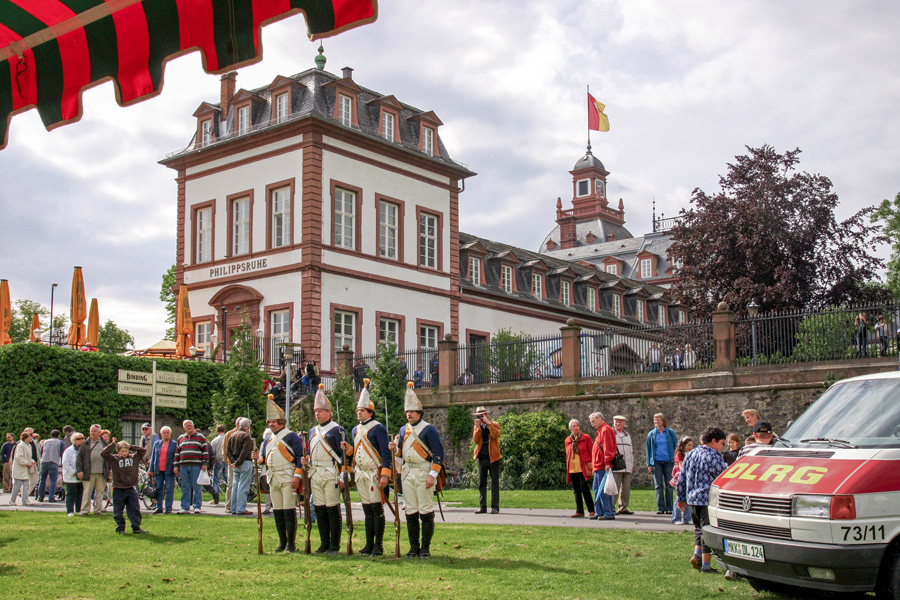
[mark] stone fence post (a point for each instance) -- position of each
(447, 360)
(571, 350)
(723, 336)
(344, 359)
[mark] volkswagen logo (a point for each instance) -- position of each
(746, 503)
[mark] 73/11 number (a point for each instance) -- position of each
(863, 533)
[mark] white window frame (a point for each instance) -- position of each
(475, 270)
(537, 285)
(345, 110)
(682, 317)
(428, 141)
(388, 229)
(240, 221)
(389, 331)
(282, 106)
(617, 305)
(243, 120)
(387, 125)
(564, 292)
(639, 310)
(280, 325)
(428, 240)
(646, 268)
(506, 273)
(592, 299)
(206, 132)
(661, 315)
(203, 336)
(204, 235)
(344, 329)
(281, 217)
(344, 218)
(582, 183)
(428, 337)
(612, 269)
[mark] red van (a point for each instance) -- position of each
(820, 509)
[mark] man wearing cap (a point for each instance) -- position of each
(623, 476)
(762, 433)
(146, 441)
(423, 454)
(486, 435)
(328, 473)
(371, 460)
(281, 453)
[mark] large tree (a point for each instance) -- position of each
(770, 234)
(170, 299)
(242, 390)
(113, 339)
(23, 309)
(889, 212)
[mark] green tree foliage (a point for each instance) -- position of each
(47, 387)
(388, 386)
(113, 339)
(770, 234)
(509, 357)
(889, 213)
(825, 336)
(242, 390)
(20, 328)
(533, 450)
(170, 300)
(459, 423)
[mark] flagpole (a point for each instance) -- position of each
(589, 122)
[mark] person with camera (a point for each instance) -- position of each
(486, 435)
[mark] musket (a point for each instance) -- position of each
(345, 489)
(307, 490)
(259, 518)
(437, 496)
(396, 507)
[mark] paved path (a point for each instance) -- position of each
(529, 517)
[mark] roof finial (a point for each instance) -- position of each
(320, 59)
(589, 146)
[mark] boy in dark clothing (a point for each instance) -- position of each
(124, 463)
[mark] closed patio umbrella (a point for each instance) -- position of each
(93, 328)
(184, 325)
(35, 325)
(77, 311)
(5, 313)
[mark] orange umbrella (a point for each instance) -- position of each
(93, 329)
(184, 325)
(35, 325)
(77, 311)
(5, 313)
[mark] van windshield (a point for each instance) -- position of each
(863, 413)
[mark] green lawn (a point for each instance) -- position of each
(54, 556)
(641, 498)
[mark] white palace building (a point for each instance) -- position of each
(327, 214)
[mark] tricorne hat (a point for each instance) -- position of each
(364, 400)
(411, 401)
(321, 402)
(273, 411)
(482, 411)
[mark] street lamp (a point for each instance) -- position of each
(289, 348)
(753, 311)
(224, 336)
(52, 289)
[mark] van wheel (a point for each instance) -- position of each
(888, 586)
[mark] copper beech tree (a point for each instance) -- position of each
(770, 234)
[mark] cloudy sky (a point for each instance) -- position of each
(687, 85)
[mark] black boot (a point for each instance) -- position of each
(427, 533)
(334, 522)
(370, 529)
(290, 527)
(324, 530)
(412, 529)
(280, 526)
(378, 514)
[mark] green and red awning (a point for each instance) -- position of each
(52, 49)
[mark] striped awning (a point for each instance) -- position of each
(53, 49)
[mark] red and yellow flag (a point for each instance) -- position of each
(597, 120)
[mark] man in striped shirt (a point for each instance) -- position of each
(191, 458)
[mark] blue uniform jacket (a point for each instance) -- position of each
(292, 441)
(334, 439)
(170, 456)
(431, 438)
(378, 435)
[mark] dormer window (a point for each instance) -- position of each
(612, 269)
(475, 270)
(564, 292)
(428, 141)
(682, 317)
(591, 299)
(206, 132)
(243, 120)
(646, 268)
(662, 315)
(387, 125)
(617, 304)
(583, 188)
(639, 310)
(506, 275)
(537, 285)
(345, 110)
(282, 106)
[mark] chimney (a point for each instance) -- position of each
(229, 80)
(347, 72)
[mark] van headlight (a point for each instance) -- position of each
(811, 506)
(714, 496)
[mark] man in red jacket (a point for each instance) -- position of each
(602, 454)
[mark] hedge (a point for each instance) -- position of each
(46, 387)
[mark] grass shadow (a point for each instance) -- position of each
(7, 541)
(502, 564)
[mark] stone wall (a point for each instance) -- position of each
(691, 400)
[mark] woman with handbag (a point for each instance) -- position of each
(23, 469)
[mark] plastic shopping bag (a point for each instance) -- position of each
(203, 478)
(609, 486)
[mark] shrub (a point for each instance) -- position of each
(242, 390)
(459, 423)
(825, 336)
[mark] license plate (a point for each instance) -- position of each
(744, 550)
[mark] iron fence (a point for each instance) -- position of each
(519, 360)
(649, 349)
(838, 333)
(419, 366)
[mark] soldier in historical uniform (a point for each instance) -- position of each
(371, 462)
(328, 472)
(282, 454)
(423, 454)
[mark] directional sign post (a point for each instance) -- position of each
(164, 388)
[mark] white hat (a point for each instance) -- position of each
(273, 411)
(619, 418)
(321, 402)
(364, 401)
(411, 401)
